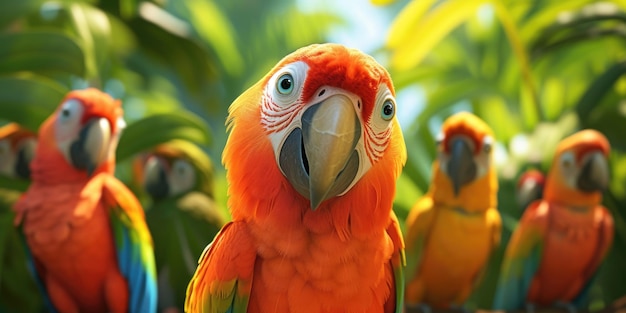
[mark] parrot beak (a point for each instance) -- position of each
(155, 178)
(91, 148)
(461, 166)
(594, 175)
(320, 161)
(25, 155)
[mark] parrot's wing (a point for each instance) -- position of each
(135, 255)
(223, 280)
(418, 225)
(398, 261)
(605, 239)
(522, 258)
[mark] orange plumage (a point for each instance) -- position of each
(86, 232)
(561, 239)
(286, 250)
(453, 229)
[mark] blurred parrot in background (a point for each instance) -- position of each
(312, 160)
(18, 291)
(183, 218)
(560, 241)
(453, 229)
(85, 231)
(529, 187)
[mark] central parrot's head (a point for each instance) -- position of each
(330, 113)
(17, 149)
(580, 170)
(175, 168)
(464, 149)
(84, 130)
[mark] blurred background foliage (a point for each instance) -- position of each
(536, 71)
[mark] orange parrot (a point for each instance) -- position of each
(84, 229)
(18, 291)
(454, 228)
(312, 160)
(561, 240)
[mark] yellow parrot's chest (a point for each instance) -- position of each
(457, 249)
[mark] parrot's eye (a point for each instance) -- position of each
(487, 144)
(567, 160)
(388, 110)
(183, 177)
(181, 167)
(285, 84)
(70, 110)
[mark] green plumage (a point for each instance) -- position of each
(18, 291)
(183, 223)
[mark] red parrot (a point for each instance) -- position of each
(560, 241)
(454, 228)
(312, 159)
(529, 187)
(86, 233)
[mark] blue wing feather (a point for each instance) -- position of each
(132, 262)
(35, 274)
(135, 253)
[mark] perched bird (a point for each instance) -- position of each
(561, 240)
(529, 187)
(85, 230)
(453, 229)
(18, 291)
(17, 148)
(312, 159)
(183, 217)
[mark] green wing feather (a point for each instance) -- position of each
(521, 259)
(222, 282)
(181, 228)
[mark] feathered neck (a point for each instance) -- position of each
(477, 196)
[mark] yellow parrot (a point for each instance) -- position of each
(453, 229)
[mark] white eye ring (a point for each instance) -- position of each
(181, 167)
(69, 110)
(286, 85)
(487, 144)
(567, 160)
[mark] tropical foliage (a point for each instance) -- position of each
(535, 71)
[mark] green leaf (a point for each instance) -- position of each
(519, 50)
(14, 184)
(40, 51)
(158, 128)
(443, 98)
(419, 39)
(13, 10)
(179, 53)
(93, 28)
(407, 21)
(214, 27)
(28, 100)
(598, 88)
(494, 111)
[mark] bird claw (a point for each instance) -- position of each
(419, 307)
(570, 308)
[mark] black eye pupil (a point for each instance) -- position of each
(285, 83)
(65, 112)
(388, 109)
